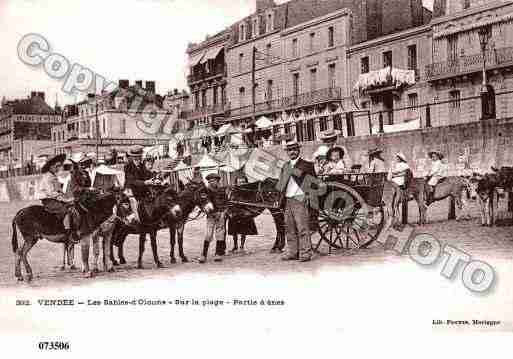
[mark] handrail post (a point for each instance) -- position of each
(381, 130)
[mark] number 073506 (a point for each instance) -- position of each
(53, 346)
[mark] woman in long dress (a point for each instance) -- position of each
(241, 226)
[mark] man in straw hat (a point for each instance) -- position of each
(52, 197)
(400, 172)
(136, 180)
(376, 161)
(435, 175)
(297, 208)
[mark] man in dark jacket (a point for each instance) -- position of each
(293, 180)
(137, 179)
(80, 180)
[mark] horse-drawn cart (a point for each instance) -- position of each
(347, 213)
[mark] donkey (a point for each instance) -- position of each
(449, 187)
(35, 223)
(167, 209)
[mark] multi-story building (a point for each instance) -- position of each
(25, 128)
(207, 80)
(455, 72)
(126, 116)
(289, 62)
(385, 76)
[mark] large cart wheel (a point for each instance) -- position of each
(346, 221)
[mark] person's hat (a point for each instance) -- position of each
(77, 157)
(336, 149)
(374, 152)
(439, 154)
(401, 156)
(135, 151)
(322, 151)
(329, 136)
(59, 158)
(213, 176)
(292, 145)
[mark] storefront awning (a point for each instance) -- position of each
(211, 54)
(195, 59)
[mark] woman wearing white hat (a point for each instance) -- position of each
(400, 171)
(321, 159)
(435, 175)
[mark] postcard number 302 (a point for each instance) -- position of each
(53, 346)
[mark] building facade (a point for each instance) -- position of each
(290, 63)
(25, 128)
(455, 74)
(129, 115)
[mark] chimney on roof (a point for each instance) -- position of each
(150, 86)
(262, 5)
(34, 94)
(124, 84)
(138, 83)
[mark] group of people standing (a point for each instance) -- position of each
(330, 159)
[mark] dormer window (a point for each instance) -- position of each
(242, 32)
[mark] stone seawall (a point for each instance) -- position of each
(475, 146)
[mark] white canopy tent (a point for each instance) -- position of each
(263, 123)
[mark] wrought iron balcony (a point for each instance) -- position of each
(465, 65)
(218, 70)
(289, 102)
(207, 110)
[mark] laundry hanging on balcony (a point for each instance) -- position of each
(385, 77)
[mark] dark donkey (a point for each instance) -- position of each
(35, 223)
(165, 211)
(449, 187)
(253, 192)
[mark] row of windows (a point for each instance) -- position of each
(268, 57)
(216, 96)
(269, 91)
(387, 60)
(312, 42)
(245, 34)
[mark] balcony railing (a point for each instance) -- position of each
(208, 110)
(304, 99)
(218, 70)
(469, 64)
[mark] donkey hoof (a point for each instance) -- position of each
(185, 260)
(122, 261)
(115, 263)
(62, 268)
(111, 270)
(159, 265)
(20, 279)
(29, 278)
(172, 260)
(73, 267)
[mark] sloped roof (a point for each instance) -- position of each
(300, 11)
(30, 106)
